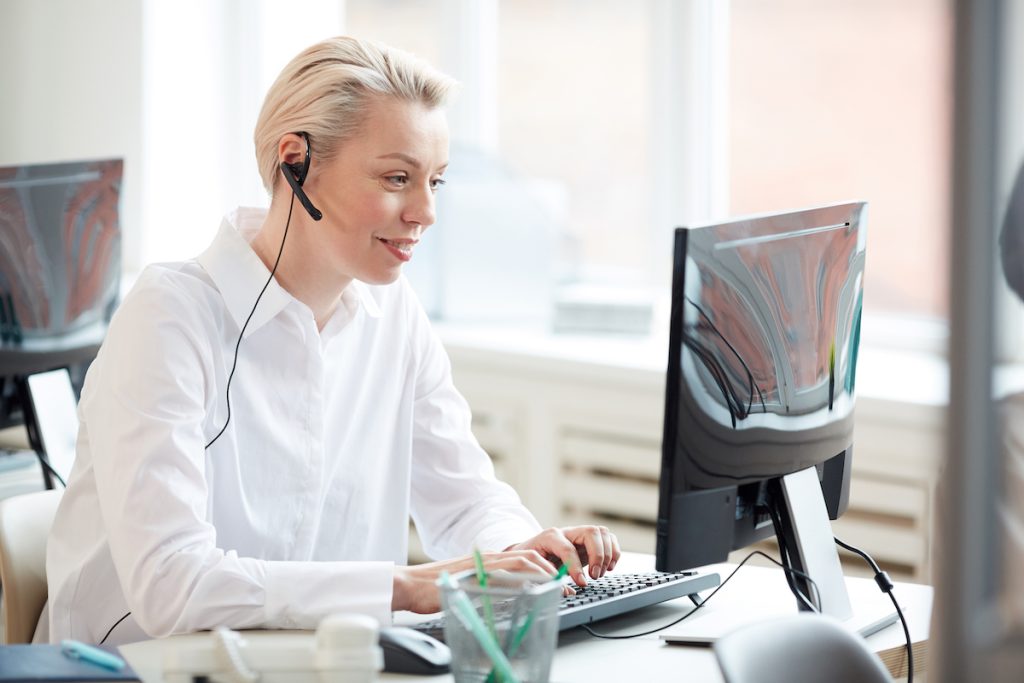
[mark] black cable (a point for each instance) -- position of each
(113, 627)
(703, 602)
(234, 362)
(227, 392)
(786, 557)
(53, 473)
(886, 585)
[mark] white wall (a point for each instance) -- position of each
(71, 88)
(171, 87)
(206, 66)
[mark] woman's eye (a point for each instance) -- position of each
(397, 180)
(436, 183)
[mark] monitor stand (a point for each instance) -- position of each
(802, 524)
(807, 533)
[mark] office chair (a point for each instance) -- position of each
(25, 523)
(805, 648)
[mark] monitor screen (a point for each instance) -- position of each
(765, 329)
(60, 267)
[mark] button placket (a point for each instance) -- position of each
(312, 442)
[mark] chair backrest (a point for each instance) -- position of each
(25, 523)
(805, 648)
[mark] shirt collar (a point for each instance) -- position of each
(239, 274)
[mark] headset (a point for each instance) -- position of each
(295, 174)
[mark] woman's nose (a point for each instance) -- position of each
(421, 209)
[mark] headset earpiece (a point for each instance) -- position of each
(296, 174)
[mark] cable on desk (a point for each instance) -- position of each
(886, 586)
(703, 602)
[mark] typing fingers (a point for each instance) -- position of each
(554, 543)
(526, 561)
(600, 546)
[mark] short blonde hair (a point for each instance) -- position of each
(324, 92)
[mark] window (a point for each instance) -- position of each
(574, 105)
(812, 101)
(833, 100)
(625, 119)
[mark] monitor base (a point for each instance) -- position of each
(873, 611)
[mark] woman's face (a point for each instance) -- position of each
(377, 193)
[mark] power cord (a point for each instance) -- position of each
(786, 557)
(886, 586)
(698, 605)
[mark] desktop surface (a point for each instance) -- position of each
(581, 656)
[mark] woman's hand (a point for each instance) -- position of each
(415, 588)
(577, 546)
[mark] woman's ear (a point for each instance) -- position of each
(293, 150)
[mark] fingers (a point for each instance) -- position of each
(606, 541)
(554, 544)
(524, 561)
(527, 561)
(565, 550)
(616, 550)
(415, 588)
(575, 547)
(600, 545)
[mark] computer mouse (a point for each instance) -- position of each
(407, 651)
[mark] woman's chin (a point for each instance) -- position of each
(385, 277)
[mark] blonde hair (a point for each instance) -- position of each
(324, 92)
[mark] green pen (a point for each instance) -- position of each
(527, 623)
(464, 612)
(521, 633)
(481, 577)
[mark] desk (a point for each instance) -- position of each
(756, 591)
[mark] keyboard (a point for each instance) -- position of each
(612, 595)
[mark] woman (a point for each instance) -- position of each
(261, 421)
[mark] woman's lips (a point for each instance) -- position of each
(400, 249)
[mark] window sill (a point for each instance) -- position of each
(886, 375)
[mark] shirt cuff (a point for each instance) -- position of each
(300, 594)
(497, 537)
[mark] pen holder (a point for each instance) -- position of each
(519, 611)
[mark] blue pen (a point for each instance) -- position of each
(93, 655)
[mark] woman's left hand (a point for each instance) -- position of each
(577, 546)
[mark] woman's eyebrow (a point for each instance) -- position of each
(404, 157)
(408, 159)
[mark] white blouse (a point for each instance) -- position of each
(301, 508)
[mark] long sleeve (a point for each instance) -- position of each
(457, 503)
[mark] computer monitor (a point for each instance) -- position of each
(760, 392)
(60, 273)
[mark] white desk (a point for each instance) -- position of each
(754, 591)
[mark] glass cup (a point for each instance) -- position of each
(518, 611)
